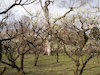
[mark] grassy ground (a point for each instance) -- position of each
(47, 65)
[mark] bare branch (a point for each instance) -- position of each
(16, 4)
(63, 15)
(5, 11)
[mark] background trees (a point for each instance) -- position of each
(74, 33)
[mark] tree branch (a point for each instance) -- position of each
(63, 15)
(4, 69)
(16, 4)
(5, 11)
(82, 69)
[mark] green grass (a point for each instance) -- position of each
(47, 65)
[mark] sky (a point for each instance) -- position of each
(54, 9)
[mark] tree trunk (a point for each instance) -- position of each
(20, 72)
(77, 64)
(22, 62)
(0, 51)
(57, 55)
(82, 60)
(21, 69)
(76, 70)
(82, 69)
(36, 58)
(2, 72)
(48, 48)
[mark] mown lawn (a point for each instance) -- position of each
(47, 65)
